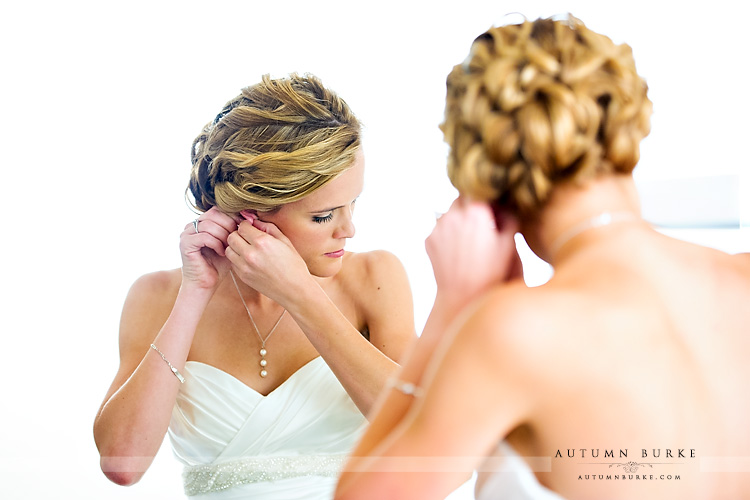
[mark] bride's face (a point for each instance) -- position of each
(319, 224)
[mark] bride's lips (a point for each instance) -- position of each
(336, 254)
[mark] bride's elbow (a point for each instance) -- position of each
(123, 478)
(122, 460)
(124, 471)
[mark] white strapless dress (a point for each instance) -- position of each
(507, 476)
(236, 443)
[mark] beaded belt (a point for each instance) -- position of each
(221, 476)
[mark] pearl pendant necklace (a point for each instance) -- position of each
(599, 220)
(263, 351)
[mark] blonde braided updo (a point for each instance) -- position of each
(275, 143)
(539, 103)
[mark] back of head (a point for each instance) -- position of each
(541, 103)
(275, 143)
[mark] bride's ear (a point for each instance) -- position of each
(250, 215)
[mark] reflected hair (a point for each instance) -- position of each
(275, 143)
(540, 103)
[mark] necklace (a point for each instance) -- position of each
(599, 220)
(263, 351)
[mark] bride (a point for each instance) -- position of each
(638, 344)
(262, 354)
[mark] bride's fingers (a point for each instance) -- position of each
(240, 254)
(256, 231)
(210, 226)
(270, 228)
(234, 258)
(215, 217)
(204, 240)
(237, 244)
(227, 221)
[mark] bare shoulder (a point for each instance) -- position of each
(159, 281)
(376, 264)
(742, 261)
(370, 273)
(149, 301)
(511, 311)
(379, 289)
(156, 288)
(503, 343)
(147, 306)
(520, 327)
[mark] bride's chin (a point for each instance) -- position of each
(327, 270)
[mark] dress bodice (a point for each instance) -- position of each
(236, 443)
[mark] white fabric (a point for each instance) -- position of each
(514, 480)
(237, 443)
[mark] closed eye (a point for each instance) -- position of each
(323, 219)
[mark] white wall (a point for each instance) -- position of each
(100, 102)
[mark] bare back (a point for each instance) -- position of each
(643, 373)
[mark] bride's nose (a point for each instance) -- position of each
(345, 228)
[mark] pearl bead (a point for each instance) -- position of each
(263, 362)
(263, 352)
(263, 373)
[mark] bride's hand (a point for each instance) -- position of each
(264, 258)
(469, 253)
(204, 261)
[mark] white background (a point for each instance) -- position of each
(100, 102)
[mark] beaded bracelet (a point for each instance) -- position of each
(174, 370)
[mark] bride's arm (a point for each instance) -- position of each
(162, 309)
(392, 405)
(265, 260)
(363, 367)
(471, 398)
(468, 257)
(131, 423)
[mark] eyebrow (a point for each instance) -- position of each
(327, 210)
(331, 209)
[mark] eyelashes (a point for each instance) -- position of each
(324, 219)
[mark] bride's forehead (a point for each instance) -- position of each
(340, 191)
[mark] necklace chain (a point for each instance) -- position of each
(263, 351)
(599, 220)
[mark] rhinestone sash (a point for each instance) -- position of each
(199, 479)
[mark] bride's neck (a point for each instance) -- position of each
(575, 214)
(252, 297)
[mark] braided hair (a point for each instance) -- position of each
(275, 143)
(541, 103)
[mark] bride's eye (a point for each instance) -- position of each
(323, 219)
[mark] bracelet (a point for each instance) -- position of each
(407, 388)
(174, 370)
